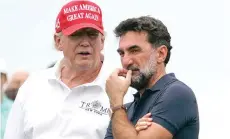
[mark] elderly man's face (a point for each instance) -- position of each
(82, 48)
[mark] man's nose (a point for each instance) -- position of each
(126, 61)
(85, 41)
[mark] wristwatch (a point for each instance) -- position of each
(112, 110)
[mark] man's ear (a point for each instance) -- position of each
(57, 41)
(162, 53)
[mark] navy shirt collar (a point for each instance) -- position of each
(163, 81)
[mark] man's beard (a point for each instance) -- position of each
(142, 80)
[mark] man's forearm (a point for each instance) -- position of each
(121, 127)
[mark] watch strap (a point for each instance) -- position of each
(116, 108)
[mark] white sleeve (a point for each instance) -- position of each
(15, 122)
(129, 95)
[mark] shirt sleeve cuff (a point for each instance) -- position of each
(166, 124)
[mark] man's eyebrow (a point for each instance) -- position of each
(133, 47)
(128, 49)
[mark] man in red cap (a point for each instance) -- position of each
(69, 100)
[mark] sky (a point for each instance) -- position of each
(200, 39)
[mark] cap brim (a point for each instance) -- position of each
(70, 30)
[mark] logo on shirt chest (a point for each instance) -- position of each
(95, 107)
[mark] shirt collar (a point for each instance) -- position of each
(163, 81)
(56, 74)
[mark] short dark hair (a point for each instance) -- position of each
(157, 32)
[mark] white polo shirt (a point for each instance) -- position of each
(45, 108)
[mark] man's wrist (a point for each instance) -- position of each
(115, 109)
(116, 102)
(115, 105)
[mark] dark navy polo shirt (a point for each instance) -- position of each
(172, 104)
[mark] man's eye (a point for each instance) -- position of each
(134, 51)
(76, 34)
(121, 54)
(92, 34)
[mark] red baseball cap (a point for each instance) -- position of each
(78, 14)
